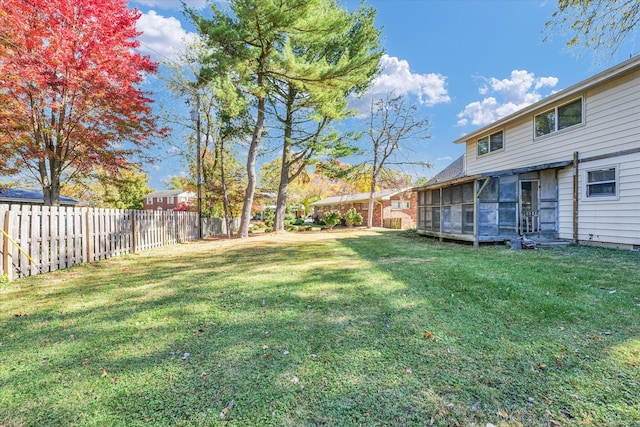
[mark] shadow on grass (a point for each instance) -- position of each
(370, 330)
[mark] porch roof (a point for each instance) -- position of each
(461, 179)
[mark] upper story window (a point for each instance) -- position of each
(491, 143)
(149, 200)
(602, 182)
(159, 199)
(170, 200)
(559, 118)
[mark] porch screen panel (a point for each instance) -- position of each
(488, 219)
(508, 197)
(456, 218)
(446, 219)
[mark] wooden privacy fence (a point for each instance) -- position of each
(40, 239)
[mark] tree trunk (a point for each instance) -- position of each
(50, 182)
(371, 204)
(245, 219)
(281, 201)
(225, 196)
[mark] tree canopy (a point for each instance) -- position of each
(601, 25)
(70, 98)
(259, 44)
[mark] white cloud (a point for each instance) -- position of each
(516, 92)
(397, 78)
(162, 38)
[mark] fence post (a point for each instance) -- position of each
(7, 259)
(134, 236)
(87, 235)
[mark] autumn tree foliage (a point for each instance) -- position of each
(69, 90)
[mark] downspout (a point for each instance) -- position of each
(575, 197)
(381, 213)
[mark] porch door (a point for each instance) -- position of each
(530, 206)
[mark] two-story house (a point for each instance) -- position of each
(168, 200)
(566, 167)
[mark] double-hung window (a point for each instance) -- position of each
(491, 143)
(558, 118)
(602, 182)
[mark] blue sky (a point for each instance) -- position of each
(466, 63)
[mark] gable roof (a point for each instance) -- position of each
(169, 193)
(578, 88)
(358, 197)
(26, 195)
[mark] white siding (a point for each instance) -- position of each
(607, 221)
(612, 221)
(612, 123)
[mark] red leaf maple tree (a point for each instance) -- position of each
(70, 100)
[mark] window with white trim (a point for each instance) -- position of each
(558, 118)
(602, 182)
(490, 143)
(159, 199)
(170, 200)
(149, 200)
(400, 204)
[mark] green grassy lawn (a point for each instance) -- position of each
(326, 328)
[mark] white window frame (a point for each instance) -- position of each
(488, 138)
(159, 199)
(170, 200)
(554, 111)
(149, 200)
(400, 204)
(598, 197)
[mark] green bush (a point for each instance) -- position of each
(331, 218)
(352, 217)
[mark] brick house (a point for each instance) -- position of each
(392, 208)
(168, 200)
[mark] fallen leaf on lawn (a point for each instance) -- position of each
(475, 406)
(428, 336)
(104, 373)
(503, 414)
(203, 374)
(555, 423)
(294, 380)
(226, 409)
(85, 362)
(409, 371)
(542, 365)
(114, 379)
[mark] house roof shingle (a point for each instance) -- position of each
(168, 193)
(26, 195)
(358, 197)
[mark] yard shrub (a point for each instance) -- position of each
(331, 218)
(352, 217)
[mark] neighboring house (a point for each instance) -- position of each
(168, 200)
(391, 208)
(25, 196)
(566, 167)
